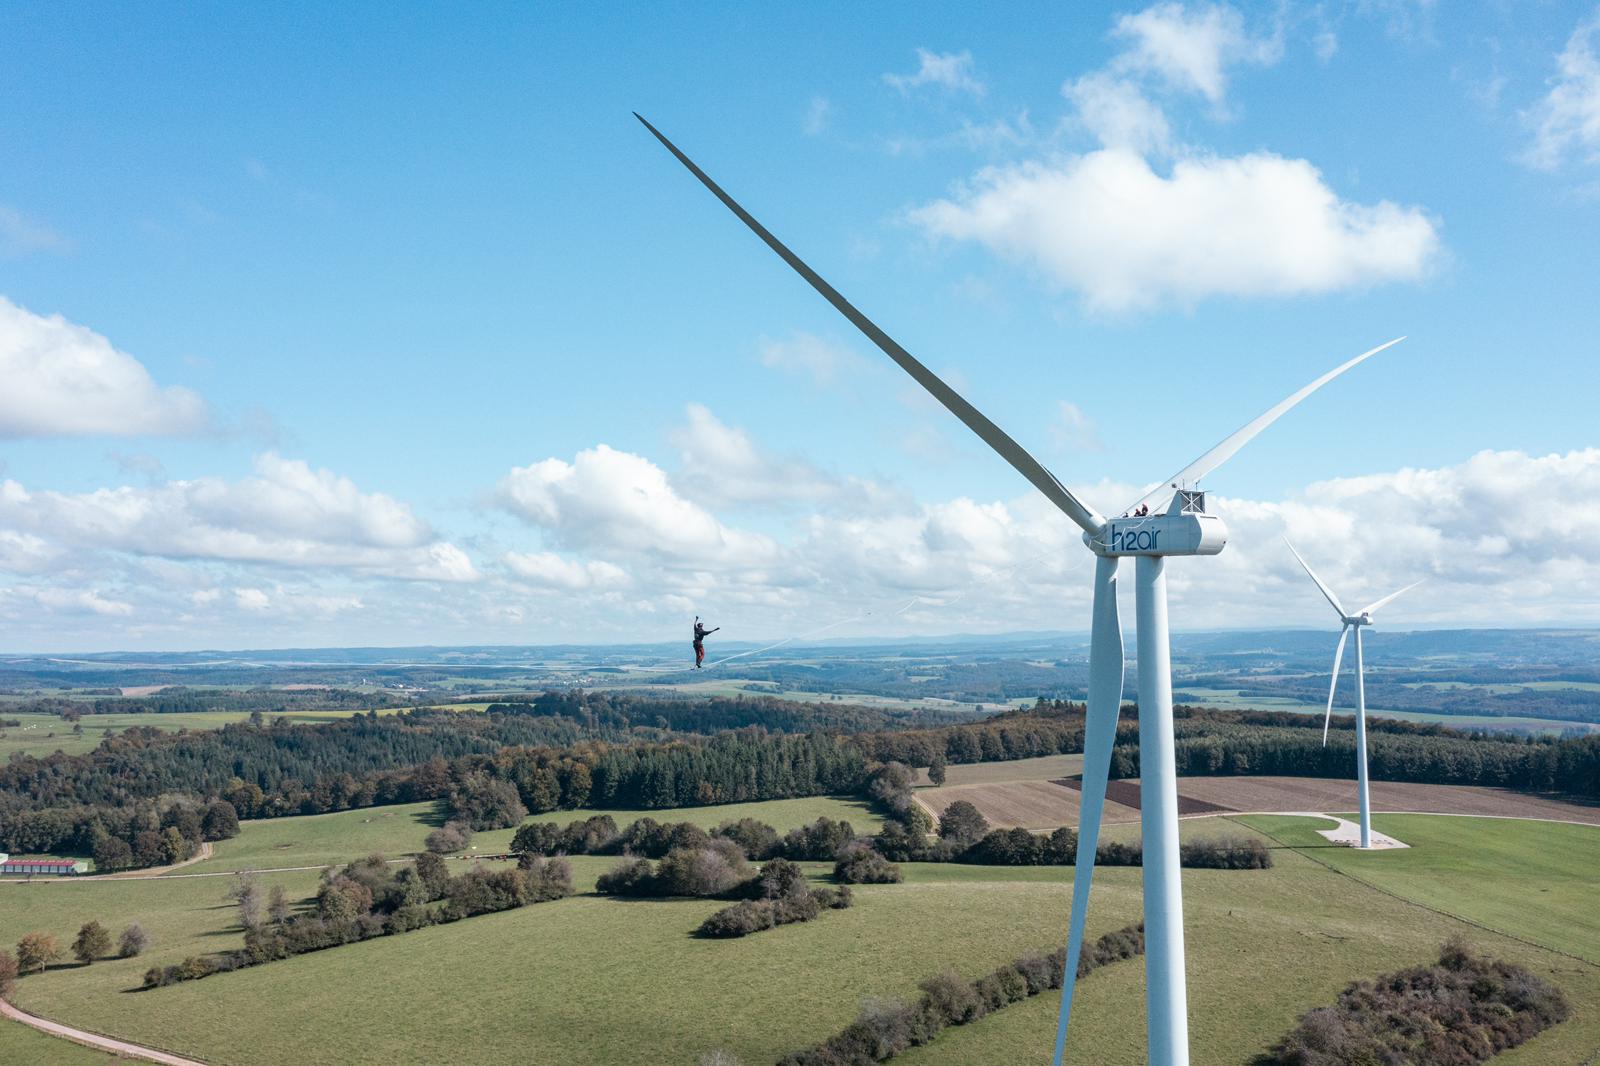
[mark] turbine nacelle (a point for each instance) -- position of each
(1185, 529)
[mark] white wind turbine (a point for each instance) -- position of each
(1355, 621)
(1179, 526)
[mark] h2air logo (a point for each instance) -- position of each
(1134, 540)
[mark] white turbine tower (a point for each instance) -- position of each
(1350, 621)
(1180, 527)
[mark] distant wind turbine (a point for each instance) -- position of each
(1355, 621)
(1170, 520)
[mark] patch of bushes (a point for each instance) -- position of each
(818, 842)
(1463, 1009)
(370, 899)
(784, 898)
(888, 1027)
(716, 869)
(860, 864)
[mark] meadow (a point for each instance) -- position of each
(593, 980)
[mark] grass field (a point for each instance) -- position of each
(591, 980)
(1044, 768)
(320, 839)
(1233, 699)
(1262, 950)
(20, 1044)
(42, 734)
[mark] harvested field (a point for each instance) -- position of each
(1028, 804)
(1321, 794)
(1126, 793)
(1044, 768)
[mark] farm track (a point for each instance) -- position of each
(95, 1040)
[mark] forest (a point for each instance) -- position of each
(583, 754)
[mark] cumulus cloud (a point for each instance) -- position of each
(611, 500)
(722, 466)
(80, 601)
(951, 70)
(1191, 47)
(1073, 430)
(63, 379)
(1566, 122)
(549, 570)
(288, 514)
(1108, 225)
(1118, 113)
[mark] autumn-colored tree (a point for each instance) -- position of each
(36, 951)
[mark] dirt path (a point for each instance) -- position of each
(200, 855)
(102, 1043)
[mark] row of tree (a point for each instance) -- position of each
(372, 898)
(888, 1027)
(38, 950)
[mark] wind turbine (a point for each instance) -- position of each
(1355, 621)
(1182, 527)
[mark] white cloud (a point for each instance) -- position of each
(819, 114)
(1073, 430)
(62, 379)
(286, 515)
(1117, 113)
(607, 500)
(951, 70)
(722, 466)
(804, 353)
(549, 570)
(1567, 121)
(20, 234)
(1190, 47)
(1107, 225)
(251, 600)
(81, 601)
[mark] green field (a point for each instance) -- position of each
(20, 1044)
(591, 980)
(1233, 699)
(42, 734)
(320, 839)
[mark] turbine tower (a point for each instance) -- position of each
(1178, 526)
(1350, 621)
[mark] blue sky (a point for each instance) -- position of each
(463, 356)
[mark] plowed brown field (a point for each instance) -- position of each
(1029, 804)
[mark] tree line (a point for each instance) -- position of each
(886, 1028)
(371, 898)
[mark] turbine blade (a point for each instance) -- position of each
(1243, 435)
(1099, 736)
(991, 434)
(1393, 595)
(1326, 591)
(1333, 686)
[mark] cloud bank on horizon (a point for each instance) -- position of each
(1114, 202)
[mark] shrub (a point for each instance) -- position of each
(818, 842)
(450, 837)
(630, 877)
(757, 839)
(133, 941)
(8, 974)
(35, 951)
(963, 824)
(864, 866)
(886, 1028)
(93, 942)
(712, 870)
(1227, 853)
(1464, 1009)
